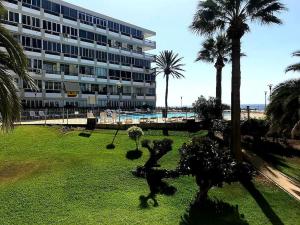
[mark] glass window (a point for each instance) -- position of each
(101, 72)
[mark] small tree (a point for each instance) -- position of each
(135, 133)
(207, 109)
(154, 176)
(211, 165)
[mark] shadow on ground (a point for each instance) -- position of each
(271, 151)
(85, 134)
(134, 154)
(213, 212)
(262, 203)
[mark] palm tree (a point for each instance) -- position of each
(12, 61)
(282, 110)
(216, 50)
(294, 67)
(233, 17)
(169, 64)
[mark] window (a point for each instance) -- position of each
(86, 18)
(69, 13)
(114, 74)
(31, 22)
(100, 23)
(86, 88)
(86, 36)
(86, 53)
(151, 92)
(139, 63)
(101, 72)
(125, 75)
(51, 27)
(125, 60)
(51, 7)
(101, 39)
(70, 50)
(138, 77)
(149, 78)
(34, 4)
(27, 88)
(31, 44)
(125, 30)
(137, 34)
(70, 32)
(13, 18)
(114, 27)
(86, 70)
(52, 47)
(101, 56)
(113, 59)
(69, 69)
(53, 87)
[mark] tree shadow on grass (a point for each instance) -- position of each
(213, 212)
(271, 151)
(262, 202)
(134, 154)
(85, 134)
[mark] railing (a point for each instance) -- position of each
(57, 72)
(149, 42)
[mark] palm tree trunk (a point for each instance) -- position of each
(235, 99)
(166, 95)
(219, 90)
(165, 130)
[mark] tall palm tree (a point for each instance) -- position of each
(12, 61)
(170, 65)
(282, 110)
(216, 50)
(233, 17)
(294, 67)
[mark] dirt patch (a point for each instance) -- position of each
(13, 172)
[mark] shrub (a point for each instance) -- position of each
(211, 165)
(135, 133)
(254, 127)
(208, 109)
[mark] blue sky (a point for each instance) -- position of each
(268, 48)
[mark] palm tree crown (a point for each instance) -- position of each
(282, 110)
(12, 61)
(233, 15)
(215, 50)
(169, 63)
(294, 67)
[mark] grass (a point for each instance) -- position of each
(51, 177)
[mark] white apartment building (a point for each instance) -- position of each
(75, 55)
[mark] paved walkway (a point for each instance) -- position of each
(284, 182)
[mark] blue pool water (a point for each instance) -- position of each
(155, 115)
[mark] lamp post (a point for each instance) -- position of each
(266, 99)
(181, 102)
(119, 87)
(270, 88)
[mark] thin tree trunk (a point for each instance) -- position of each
(165, 131)
(235, 99)
(166, 96)
(219, 89)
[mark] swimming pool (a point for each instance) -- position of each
(138, 116)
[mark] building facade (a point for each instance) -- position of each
(81, 58)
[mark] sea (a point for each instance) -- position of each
(256, 107)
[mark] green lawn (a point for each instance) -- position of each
(47, 177)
